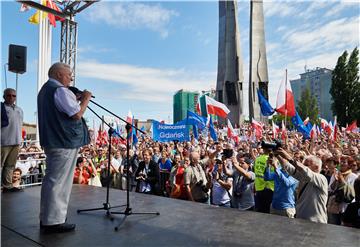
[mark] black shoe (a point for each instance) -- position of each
(13, 189)
(59, 228)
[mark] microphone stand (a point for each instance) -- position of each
(106, 205)
(128, 210)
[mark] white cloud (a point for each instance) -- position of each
(280, 9)
(133, 16)
(147, 84)
(341, 32)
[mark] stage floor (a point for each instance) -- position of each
(180, 223)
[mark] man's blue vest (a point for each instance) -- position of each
(57, 129)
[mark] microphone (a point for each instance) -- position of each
(76, 91)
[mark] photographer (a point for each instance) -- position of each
(243, 184)
(283, 202)
(221, 185)
(196, 183)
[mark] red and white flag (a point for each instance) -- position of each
(306, 121)
(230, 130)
(352, 127)
(334, 130)
(257, 127)
(215, 107)
(285, 104)
(24, 7)
(324, 124)
(313, 132)
(275, 129)
(283, 130)
(52, 18)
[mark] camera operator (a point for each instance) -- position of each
(263, 189)
(196, 183)
(283, 202)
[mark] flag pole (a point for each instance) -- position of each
(286, 137)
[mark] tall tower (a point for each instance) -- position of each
(230, 65)
(258, 70)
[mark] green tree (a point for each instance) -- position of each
(353, 85)
(307, 106)
(345, 88)
(339, 91)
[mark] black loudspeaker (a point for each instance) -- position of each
(230, 88)
(17, 59)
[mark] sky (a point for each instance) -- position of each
(135, 55)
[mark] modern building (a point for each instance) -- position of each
(319, 83)
(229, 85)
(258, 70)
(184, 101)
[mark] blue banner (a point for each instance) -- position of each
(170, 132)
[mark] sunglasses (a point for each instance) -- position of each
(11, 95)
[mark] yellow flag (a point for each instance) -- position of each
(35, 18)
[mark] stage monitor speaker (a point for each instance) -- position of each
(230, 88)
(17, 59)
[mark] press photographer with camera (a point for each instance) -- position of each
(196, 183)
(243, 184)
(221, 185)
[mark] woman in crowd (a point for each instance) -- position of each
(83, 171)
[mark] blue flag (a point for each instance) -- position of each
(299, 125)
(266, 108)
(194, 119)
(212, 130)
(195, 131)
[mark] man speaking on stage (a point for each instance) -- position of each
(62, 132)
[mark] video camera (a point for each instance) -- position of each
(273, 146)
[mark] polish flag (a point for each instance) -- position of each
(323, 123)
(24, 7)
(285, 100)
(230, 130)
(283, 130)
(275, 129)
(215, 107)
(258, 127)
(313, 132)
(352, 127)
(334, 130)
(306, 121)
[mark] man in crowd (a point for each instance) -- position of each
(62, 132)
(195, 180)
(11, 124)
(313, 186)
(264, 189)
(283, 202)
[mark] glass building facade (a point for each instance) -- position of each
(182, 102)
(319, 83)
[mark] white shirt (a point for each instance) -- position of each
(65, 100)
(11, 134)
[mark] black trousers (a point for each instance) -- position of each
(263, 200)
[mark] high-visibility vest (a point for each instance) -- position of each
(259, 170)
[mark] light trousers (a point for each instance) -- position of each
(8, 161)
(57, 184)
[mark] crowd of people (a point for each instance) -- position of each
(311, 179)
(316, 180)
